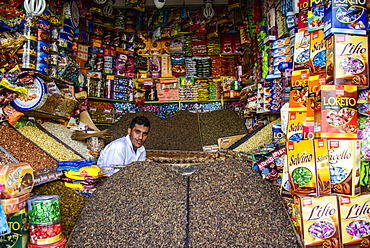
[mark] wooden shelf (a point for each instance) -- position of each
(107, 99)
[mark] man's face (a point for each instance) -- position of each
(138, 135)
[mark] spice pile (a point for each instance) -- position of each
(25, 151)
(185, 131)
(145, 204)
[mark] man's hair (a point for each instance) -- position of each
(140, 120)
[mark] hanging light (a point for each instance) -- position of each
(34, 7)
(208, 11)
(108, 8)
(159, 3)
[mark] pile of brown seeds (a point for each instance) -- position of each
(25, 151)
(225, 204)
(218, 124)
(231, 206)
(71, 203)
(185, 131)
(142, 205)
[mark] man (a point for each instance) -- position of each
(129, 148)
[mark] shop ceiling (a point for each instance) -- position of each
(170, 3)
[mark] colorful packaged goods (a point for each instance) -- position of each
(308, 167)
(295, 125)
(316, 15)
(354, 220)
(347, 60)
(344, 161)
(299, 91)
(337, 118)
(15, 180)
(301, 50)
(317, 53)
(345, 17)
(317, 221)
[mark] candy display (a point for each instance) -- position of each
(43, 209)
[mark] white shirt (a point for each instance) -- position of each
(121, 152)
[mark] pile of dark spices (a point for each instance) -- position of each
(142, 205)
(232, 206)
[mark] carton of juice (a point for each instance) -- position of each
(318, 219)
(308, 167)
(354, 220)
(347, 60)
(344, 162)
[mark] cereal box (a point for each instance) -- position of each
(301, 50)
(317, 53)
(354, 220)
(337, 118)
(316, 15)
(299, 91)
(295, 125)
(347, 60)
(344, 162)
(345, 17)
(318, 221)
(308, 167)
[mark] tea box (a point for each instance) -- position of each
(308, 167)
(317, 53)
(354, 214)
(345, 17)
(317, 221)
(337, 118)
(344, 162)
(301, 56)
(347, 60)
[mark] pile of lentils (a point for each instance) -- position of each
(23, 150)
(223, 204)
(185, 131)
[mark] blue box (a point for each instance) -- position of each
(345, 17)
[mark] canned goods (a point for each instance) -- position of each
(44, 25)
(54, 46)
(43, 35)
(29, 47)
(54, 33)
(43, 47)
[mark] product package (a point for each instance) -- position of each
(337, 118)
(344, 161)
(308, 167)
(354, 220)
(347, 60)
(317, 219)
(301, 50)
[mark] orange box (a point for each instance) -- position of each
(347, 60)
(295, 125)
(308, 167)
(337, 118)
(317, 219)
(299, 91)
(344, 161)
(17, 179)
(354, 220)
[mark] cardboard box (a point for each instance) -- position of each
(301, 57)
(354, 220)
(295, 125)
(308, 167)
(17, 180)
(317, 53)
(337, 118)
(345, 17)
(299, 91)
(317, 219)
(344, 161)
(347, 60)
(316, 15)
